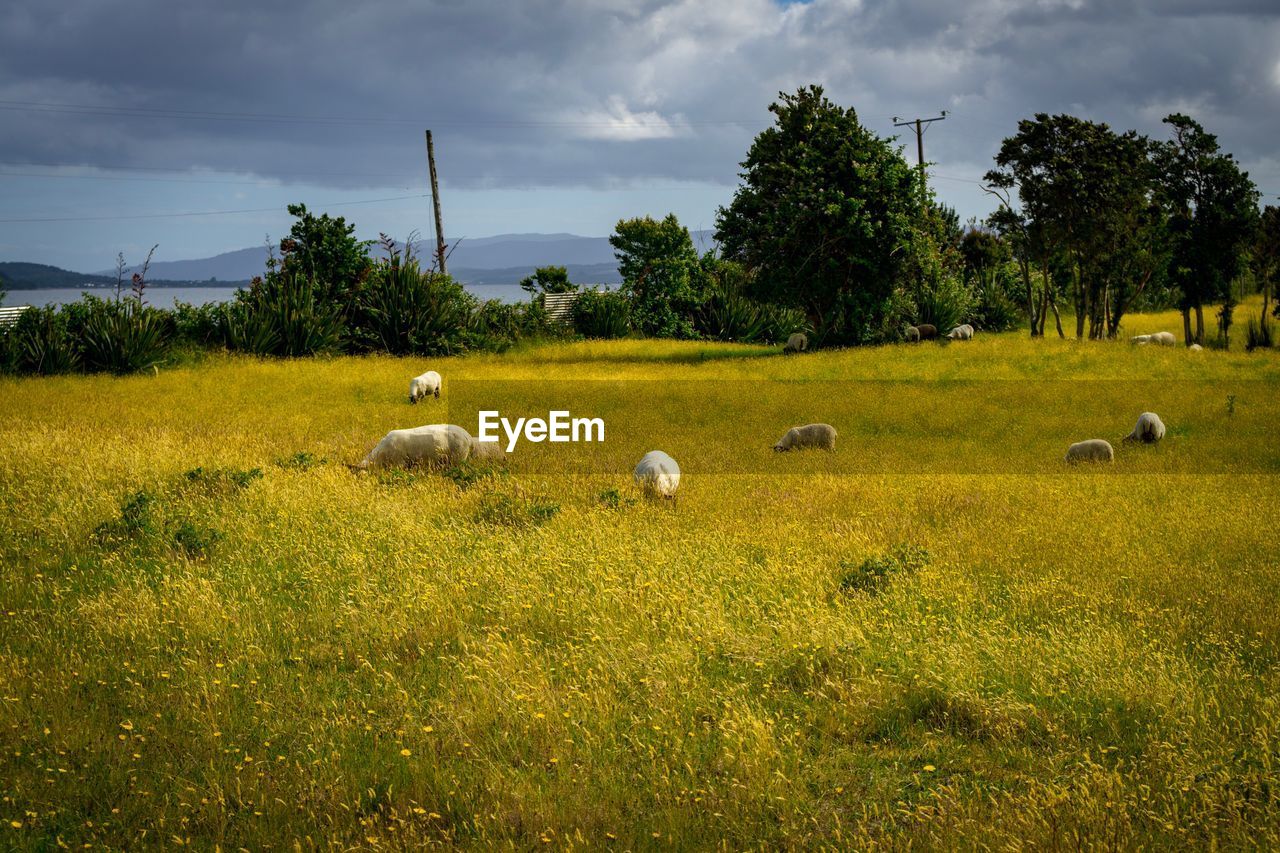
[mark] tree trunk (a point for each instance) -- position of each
(1031, 296)
(1186, 326)
(1200, 324)
(1057, 318)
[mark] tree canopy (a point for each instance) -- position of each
(822, 215)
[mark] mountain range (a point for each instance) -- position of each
(500, 260)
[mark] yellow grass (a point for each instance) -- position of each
(1088, 658)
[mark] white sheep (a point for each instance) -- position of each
(798, 342)
(658, 474)
(426, 385)
(1093, 450)
(1164, 339)
(436, 445)
(488, 451)
(962, 332)
(1195, 348)
(1148, 430)
(810, 435)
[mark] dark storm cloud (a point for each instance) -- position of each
(579, 93)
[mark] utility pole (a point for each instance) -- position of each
(920, 124)
(435, 202)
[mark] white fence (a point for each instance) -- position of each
(559, 306)
(9, 316)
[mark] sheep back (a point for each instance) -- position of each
(1148, 430)
(435, 445)
(658, 474)
(822, 436)
(1093, 450)
(798, 342)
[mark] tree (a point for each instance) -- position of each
(548, 280)
(1266, 257)
(1085, 191)
(660, 274)
(324, 249)
(1212, 210)
(823, 214)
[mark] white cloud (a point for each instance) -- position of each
(617, 123)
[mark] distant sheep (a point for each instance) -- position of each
(437, 445)
(961, 333)
(923, 332)
(1164, 339)
(658, 474)
(426, 385)
(1195, 348)
(488, 451)
(822, 436)
(1093, 450)
(912, 335)
(1148, 430)
(799, 342)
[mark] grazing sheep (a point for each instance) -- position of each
(912, 335)
(799, 342)
(428, 384)
(1148, 430)
(1164, 339)
(1093, 450)
(658, 474)
(925, 332)
(1195, 348)
(961, 333)
(809, 435)
(437, 445)
(488, 451)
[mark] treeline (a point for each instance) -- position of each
(831, 232)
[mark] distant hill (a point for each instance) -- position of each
(503, 259)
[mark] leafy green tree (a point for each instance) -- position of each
(1085, 193)
(1212, 210)
(822, 216)
(548, 280)
(660, 275)
(1266, 256)
(324, 249)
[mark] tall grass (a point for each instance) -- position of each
(195, 651)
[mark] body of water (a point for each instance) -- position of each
(164, 297)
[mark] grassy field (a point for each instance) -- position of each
(213, 632)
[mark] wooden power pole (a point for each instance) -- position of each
(435, 202)
(919, 124)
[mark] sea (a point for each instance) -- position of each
(163, 297)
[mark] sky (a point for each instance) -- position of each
(552, 115)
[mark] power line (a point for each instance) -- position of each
(258, 183)
(204, 212)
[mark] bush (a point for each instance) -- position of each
(41, 343)
(602, 314)
(1258, 335)
(404, 311)
(198, 325)
(124, 336)
(282, 315)
(874, 574)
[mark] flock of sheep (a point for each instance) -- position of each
(441, 445)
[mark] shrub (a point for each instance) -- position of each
(404, 311)
(194, 541)
(123, 336)
(602, 314)
(283, 315)
(199, 325)
(503, 510)
(1258, 335)
(135, 518)
(41, 343)
(874, 574)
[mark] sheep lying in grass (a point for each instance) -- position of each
(799, 342)
(1148, 430)
(810, 435)
(433, 446)
(658, 474)
(923, 332)
(961, 333)
(1164, 339)
(426, 385)
(1195, 348)
(1093, 450)
(488, 451)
